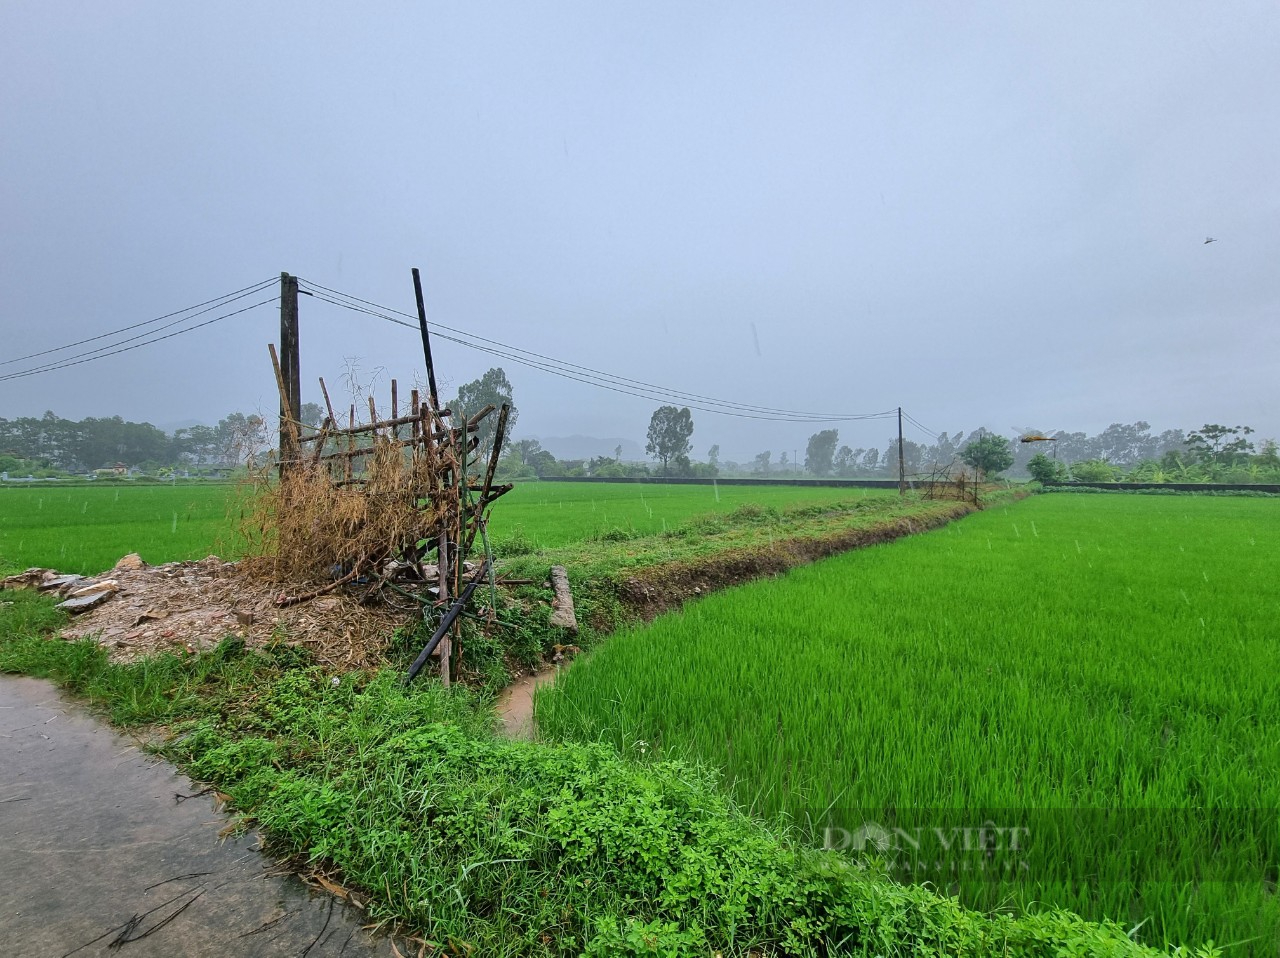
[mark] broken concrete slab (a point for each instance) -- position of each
(108, 586)
(562, 615)
(85, 602)
(61, 583)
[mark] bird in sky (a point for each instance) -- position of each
(1209, 239)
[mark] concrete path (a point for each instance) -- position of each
(97, 857)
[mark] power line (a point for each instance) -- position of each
(587, 369)
(656, 393)
(213, 303)
(553, 370)
(921, 426)
(102, 355)
(587, 374)
(226, 301)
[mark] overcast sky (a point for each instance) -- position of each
(991, 214)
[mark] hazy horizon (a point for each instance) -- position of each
(993, 216)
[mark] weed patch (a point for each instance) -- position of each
(513, 848)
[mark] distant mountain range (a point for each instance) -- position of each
(588, 447)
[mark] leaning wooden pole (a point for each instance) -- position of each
(426, 338)
(289, 438)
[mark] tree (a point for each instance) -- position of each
(544, 464)
(1210, 443)
(241, 438)
(844, 461)
(711, 468)
(1045, 470)
(912, 456)
(312, 414)
(491, 388)
(669, 432)
(525, 450)
(760, 464)
(989, 453)
(819, 454)
(602, 467)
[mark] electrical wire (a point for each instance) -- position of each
(585, 374)
(102, 355)
(919, 425)
(214, 303)
(58, 364)
(639, 392)
(593, 373)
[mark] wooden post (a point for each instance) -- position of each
(902, 469)
(351, 441)
(290, 395)
(289, 439)
(446, 645)
(426, 339)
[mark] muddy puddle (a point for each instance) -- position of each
(99, 855)
(515, 704)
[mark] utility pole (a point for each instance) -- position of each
(289, 367)
(902, 469)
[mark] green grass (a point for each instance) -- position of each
(551, 514)
(1065, 653)
(503, 848)
(86, 529)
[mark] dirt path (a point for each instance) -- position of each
(100, 858)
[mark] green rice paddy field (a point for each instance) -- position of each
(1103, 671)
(86, 529)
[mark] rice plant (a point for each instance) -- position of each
(1099, 670)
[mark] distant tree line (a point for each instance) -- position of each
(1212, 453)
(1121, 451)
(50, 444)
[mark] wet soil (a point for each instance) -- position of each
(515, 705)
(101, 855)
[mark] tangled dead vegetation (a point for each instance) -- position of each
(308, 529)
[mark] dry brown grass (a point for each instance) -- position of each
(309, 525)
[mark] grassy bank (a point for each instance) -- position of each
(86, 528)
(510, 848)
(1076, 654)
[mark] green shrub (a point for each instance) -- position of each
(1093, 470)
